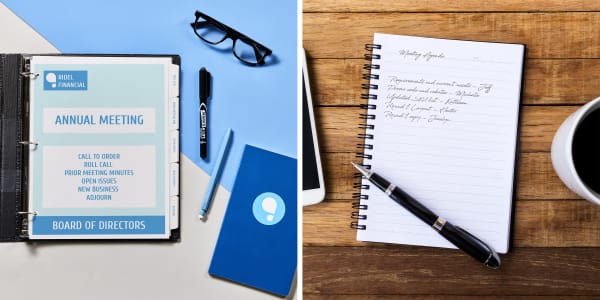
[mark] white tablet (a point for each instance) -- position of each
(313, 188)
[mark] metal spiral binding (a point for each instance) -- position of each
(359, 186)
(356, 215)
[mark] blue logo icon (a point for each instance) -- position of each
(268, 208)
(65, 81)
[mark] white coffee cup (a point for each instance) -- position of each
(562, 152)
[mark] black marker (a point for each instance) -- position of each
(204, 94)
(454, 234)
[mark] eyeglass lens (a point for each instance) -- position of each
(244, 51)
(209, 32)
(247, 52)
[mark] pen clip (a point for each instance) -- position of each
(204, 84)
(207, 84)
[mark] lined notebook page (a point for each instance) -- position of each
(446, 122)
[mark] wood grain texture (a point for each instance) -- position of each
(561, 223)
(448, 5)
(556, 237)
(547, 81)
(536, 178)
(547, 35)
(338, 127)
(442, 297)
(406, 270)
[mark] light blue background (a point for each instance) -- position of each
(258, 103)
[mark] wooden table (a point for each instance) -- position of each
(556, 237)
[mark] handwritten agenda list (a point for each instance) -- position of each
(429, 99)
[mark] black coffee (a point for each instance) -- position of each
(586, 150)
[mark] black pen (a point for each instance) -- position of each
(454, 234)
(204, 94)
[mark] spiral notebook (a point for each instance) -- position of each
(442, 123)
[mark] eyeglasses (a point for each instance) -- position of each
(244, 48)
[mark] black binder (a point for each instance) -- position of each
(14, 119)
(13, 129)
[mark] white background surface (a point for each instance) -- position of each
(118, 270)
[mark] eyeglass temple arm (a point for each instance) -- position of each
(259, 59)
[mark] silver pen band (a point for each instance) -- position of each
(439, 224)
(390, 189)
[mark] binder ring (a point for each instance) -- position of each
(34, 213)
(29, 143)
(30, 75)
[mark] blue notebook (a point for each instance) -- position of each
(258, 238)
